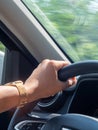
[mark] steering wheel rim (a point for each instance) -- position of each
(74, 69)
(72, 122)
(78, 68)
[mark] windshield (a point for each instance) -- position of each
(73, 24)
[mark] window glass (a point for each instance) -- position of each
(2, 49)
(72, 23)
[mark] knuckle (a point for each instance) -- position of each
(51, 62)
(45, 61)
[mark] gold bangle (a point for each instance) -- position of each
(22, 92)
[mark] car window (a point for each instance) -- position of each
(73, 24)
(2, 52)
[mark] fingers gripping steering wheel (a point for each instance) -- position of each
(74, 121)
(69, 121)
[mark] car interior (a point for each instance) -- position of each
(26, 43)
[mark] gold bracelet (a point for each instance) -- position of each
(22, 92)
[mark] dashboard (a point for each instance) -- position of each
(82, 99)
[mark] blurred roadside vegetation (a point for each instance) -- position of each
(72, 23)
(2, 48)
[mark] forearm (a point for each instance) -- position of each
(9, 98)
(42, 83)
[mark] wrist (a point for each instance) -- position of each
(32, 90)
(23, 96)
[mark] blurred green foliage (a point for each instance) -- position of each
(72, 23)
(2, 48)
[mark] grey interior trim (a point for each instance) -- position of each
(27, 29)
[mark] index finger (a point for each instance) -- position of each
(60, 64)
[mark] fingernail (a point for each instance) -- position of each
(70, 82)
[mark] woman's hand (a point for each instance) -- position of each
(44, 81)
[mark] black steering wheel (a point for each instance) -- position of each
(71, 122)
(68, 121)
